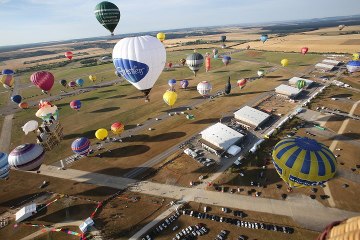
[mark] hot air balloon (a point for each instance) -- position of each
(284, 62)
(355, 56)
(223, 46)
(216, 56)
(117, 128)
(47, 111)
(204, 88)
(241, 83)
(7, 72)
(72, 84)
(183, 61)
(4, 166)
(304, 50)
(348, 229)
(69, 55)
(160, 36)
(108, 15)
(24, 105)
(30, 126)
(81, 146)
(140, 60)
(43, 80)
(63, 82)
(7, 80)
(101, 133)
(79, 82)
(27, 157)
(215, 51)
(172, 83)
(75, 104)
(170, 64)
(207, 63)
(264, 38)
(223, 38)
(226, 60)
(247, 47)
(170, 97)
(16, 99)
(228, 87)
(184, 83)
(194, 62)
(303, 162)
(261, 73)
(300, 84)
(93, 78)
(341, 27)
(353, 66)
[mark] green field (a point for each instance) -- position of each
(122, 102)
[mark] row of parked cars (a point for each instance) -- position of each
(163, 225)
(238, 222)
(222, 235)
(191, 232)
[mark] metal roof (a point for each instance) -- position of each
(287, 90)
(251, 116)
(221, 135)
(293, 81)
(323, 65)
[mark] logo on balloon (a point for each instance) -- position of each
(132, 71)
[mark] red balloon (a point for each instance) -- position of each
(43, 80)
(304, 50)
(170, 64)
(69, 55)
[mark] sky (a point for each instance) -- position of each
(30, 21)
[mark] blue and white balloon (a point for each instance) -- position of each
(140, 60)
(4, 166)
(353, 66)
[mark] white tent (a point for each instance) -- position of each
(25, 212)
(234, 150)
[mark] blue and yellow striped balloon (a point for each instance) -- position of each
(303, 162)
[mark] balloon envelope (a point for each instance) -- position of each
(46, 111)
(172, 83)
(16, 99)
(4, 165)
(353, 66)
(7, 80)
(300, 84)
(72, 84)
(223, 38)
(27, 157)
(75, 104)
(226, 60)
(63, 82)
(92, 78)
(204, 88)
(43, 80)
(184, 83)
(304, 50)
(24, 105)
(284, 62)
(101, 133)
(303, 162)
(241, 83)
(160, 36)
(140, 60)
(79, 82)
(264, 38)
(356, 56)
(117, 128)
(194, 62)
(69, 55)
(108, 15)
(7, 72)
(30, 126)
(261, 73)
(170, 97)
(81, 146)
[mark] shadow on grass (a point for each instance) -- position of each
(89, 99)
(346, 137)
(157, 138)
(126, 151)
(206, 121)
(272, 77)
(89, 134)
(107, 91)
(116, 96)
(102, 110)
(247, 93)
(345, 95)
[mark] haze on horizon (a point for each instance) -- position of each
(30, 21)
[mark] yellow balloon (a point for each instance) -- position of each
(161, 36)
(101, 133)
(92, 78)
(356, 56)
(7, 80)
(170, 97)
(284, 62)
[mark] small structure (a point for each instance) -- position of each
(250, 117)
(88, 223)
(218, 138)
(293, 81)
(324, 67)
(190, 152)
(234, 150)
(331, 62)
(25, 212)
(50, 134)
(287, 91)
(105, 59)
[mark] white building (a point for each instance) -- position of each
(324, 67)
(219, 138)
(250, 117)
(331, 62)
(288, 91)
(25, 212)
(294, 80)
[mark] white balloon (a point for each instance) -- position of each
(140, 60)
(204, 88)
(30, 126)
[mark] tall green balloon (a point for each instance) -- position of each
(108, 14)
